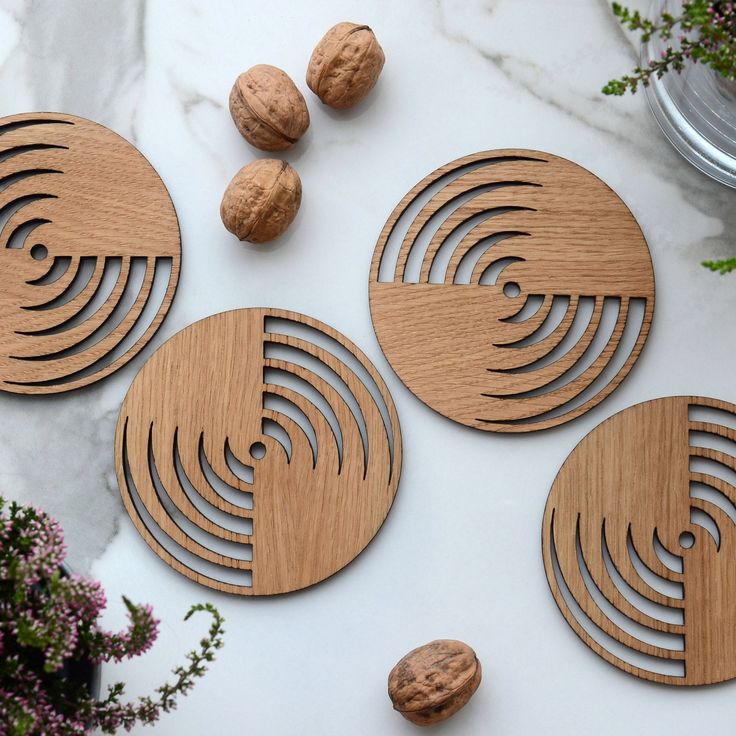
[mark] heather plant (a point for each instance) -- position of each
(703, 31)
(49, 620)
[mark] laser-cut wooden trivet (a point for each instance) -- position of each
(89, 252)
(190, 446)
(467, 282)
(639, 540)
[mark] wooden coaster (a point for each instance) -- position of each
(258, 451)
(89, 252)
(639, 540)
(511, 290)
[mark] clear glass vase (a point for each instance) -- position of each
(696, 109)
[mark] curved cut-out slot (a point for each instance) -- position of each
(468, 263)
(320, 411)
(670, 560)
(715, 464)
(16, 176)
(30, 122)
(238, 573)
(700, 517)
(422, 255)
(532, 304)
(664, 585)
(84, 298)
(455, 256)
(238, 468)
(132, 319)
(280, 404)
(59, 266)
(459, 252)
(599, 369)
(492, 273)
(674, 666)
(315, 367)
(713, 437)
(237, 524)
(129, 287)
(9, 153)
(344, 371)
(19, 237)
(231, 494)
(580, 332)
(271, 428)
(84, 273)
(705, 488)
(9, 209)
(413, 203)
(712, 415)
(653, 609)
(552, 321)
(642, 633)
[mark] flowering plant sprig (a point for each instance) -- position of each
(705, 32)
(48, 620)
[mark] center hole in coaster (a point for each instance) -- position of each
(687, 540)
(39, 252)
(257, 450)
(512, 289)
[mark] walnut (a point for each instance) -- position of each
(345, 65)
(433, 682)
(261, 200)
(268, 109)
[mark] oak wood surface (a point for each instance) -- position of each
(522, 220)
(623, 510)
(187, 466)
(88, 233)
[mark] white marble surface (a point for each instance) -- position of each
(459, 555)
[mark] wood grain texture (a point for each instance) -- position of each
(639, 540)
(89, 252)
(450, 260)
(190, 474)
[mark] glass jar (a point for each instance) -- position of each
(696, 109)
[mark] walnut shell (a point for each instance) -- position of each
(261, 200)
(433, 682)
(268, 109)
(345, 65)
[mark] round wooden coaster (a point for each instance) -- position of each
(639, 540)
(511, 290)
(258, 451)
(89, 252)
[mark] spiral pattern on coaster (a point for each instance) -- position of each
(258, 451)
(639, 540)
(89, 252)
(511, 290)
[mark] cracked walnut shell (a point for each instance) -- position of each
(345, 65)
(434, 681)
(268, 109)
(261, 200)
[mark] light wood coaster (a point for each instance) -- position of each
(89, 252)
(511, 290)
(639, 540)
(258, 451)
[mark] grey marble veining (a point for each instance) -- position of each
(459, 554)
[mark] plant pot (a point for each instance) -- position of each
(695, 109)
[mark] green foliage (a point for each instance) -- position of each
(722, 266)
(706, 33)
